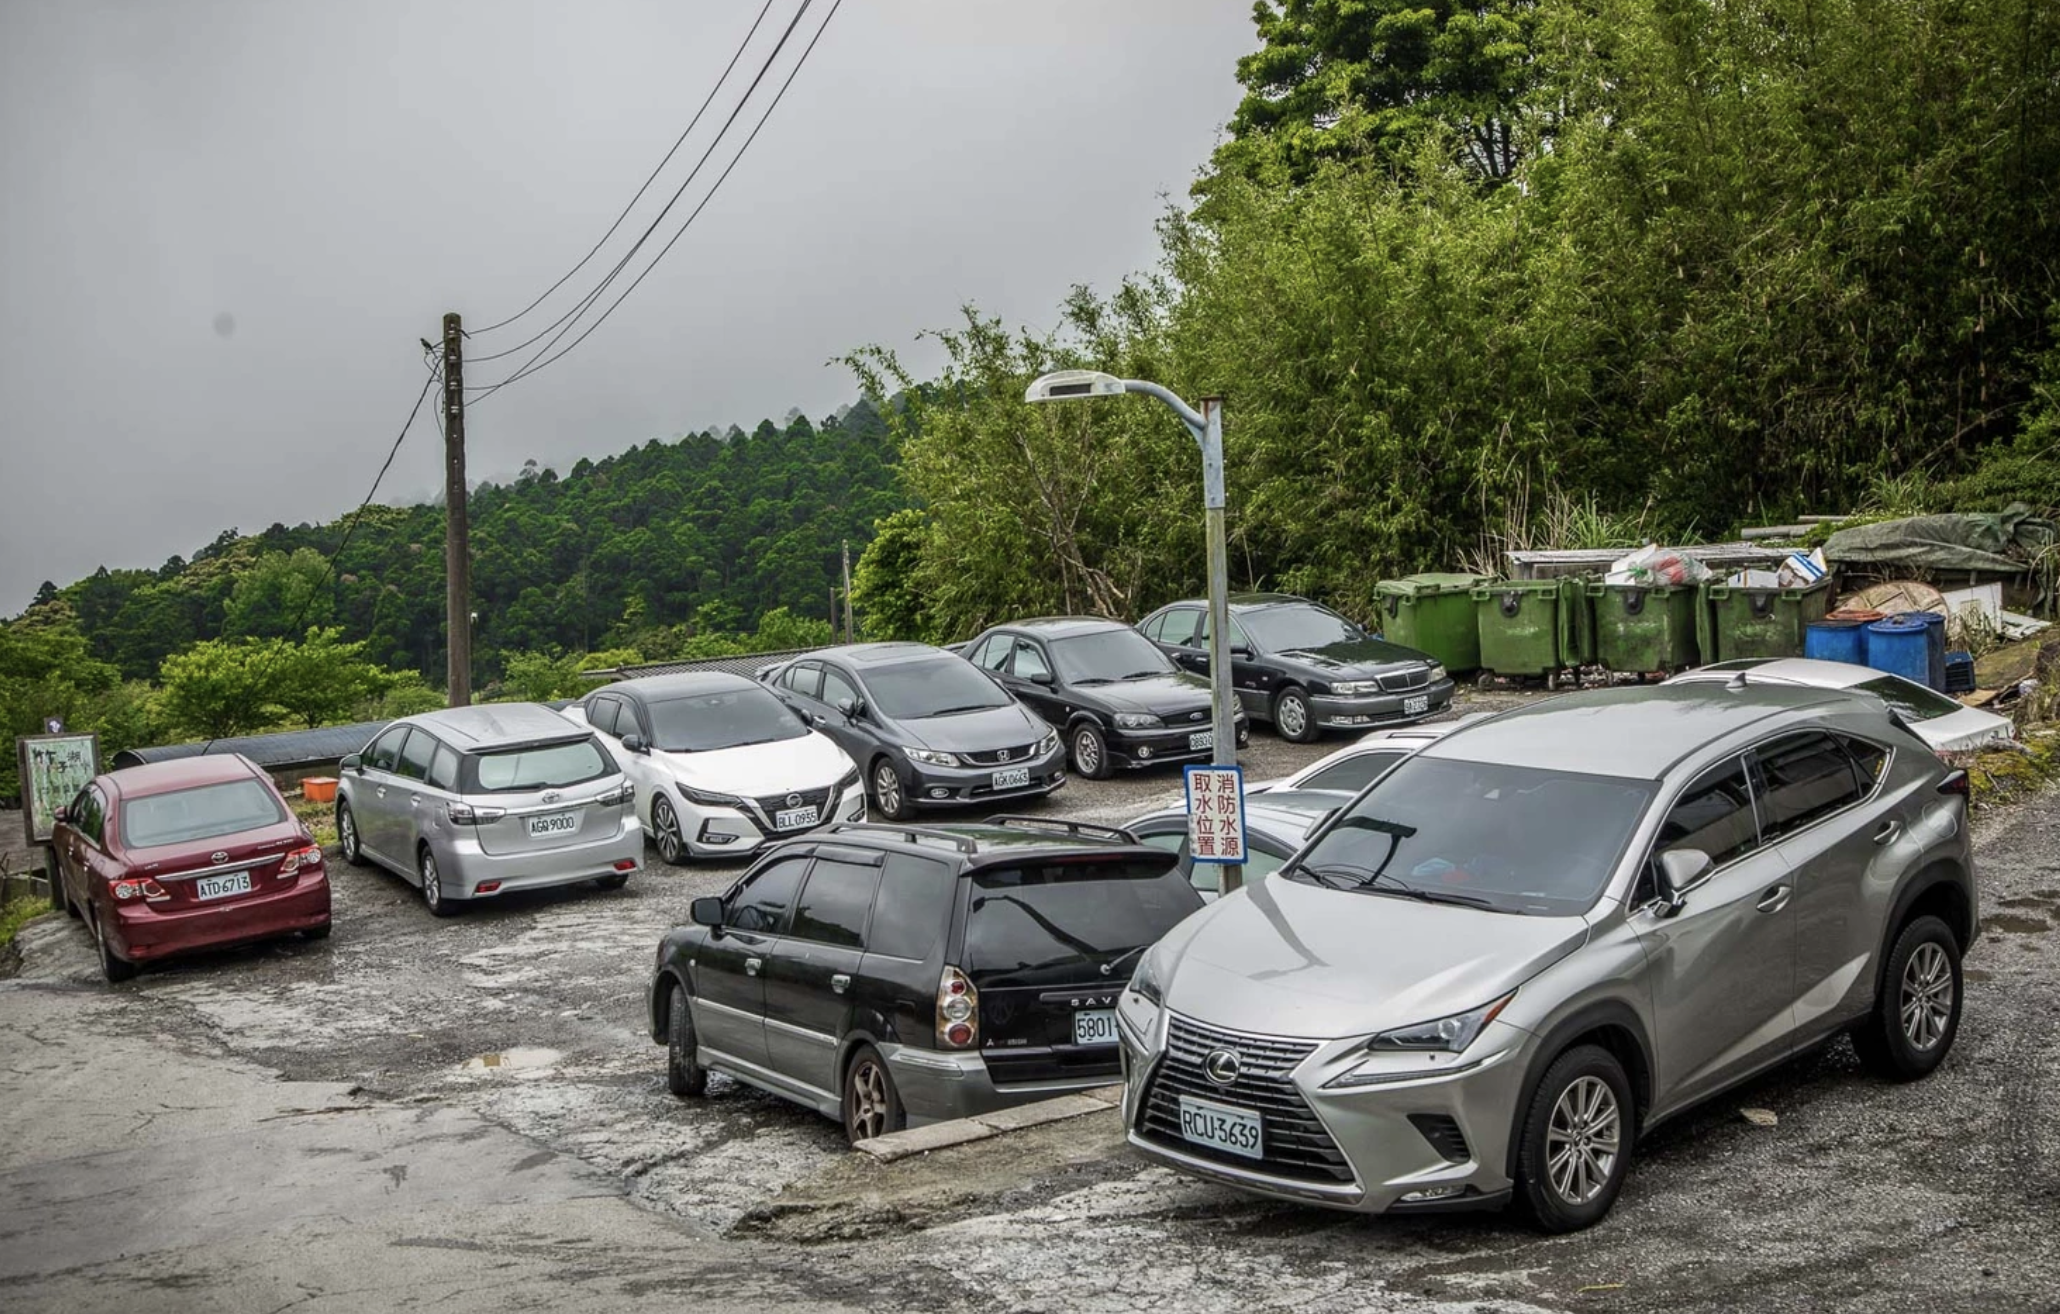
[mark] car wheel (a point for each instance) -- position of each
(684, 1074)
(1576, 1145)
(872, 1107)
(317, 932)
(1090, 751)
(59, 900)
(666, 833)
(1917, 1016)
(1291, 716)
(112, 965)
(347, 836)
(432, 887)
(888, 794)
(613, 882)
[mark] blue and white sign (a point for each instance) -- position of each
(1216, 814)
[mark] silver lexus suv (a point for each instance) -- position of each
(1540, 936)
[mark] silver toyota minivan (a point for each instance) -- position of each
(1513, 954)
(472, 802)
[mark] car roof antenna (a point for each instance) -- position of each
(1737, 681)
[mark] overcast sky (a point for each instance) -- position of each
(225, 226)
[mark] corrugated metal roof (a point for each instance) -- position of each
(274, 752)
(746, 665)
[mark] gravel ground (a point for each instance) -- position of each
(528, 1013)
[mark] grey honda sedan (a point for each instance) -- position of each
(1525, 945)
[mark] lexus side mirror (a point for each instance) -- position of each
(1041, 677)
(634, 743)
(355, 762)
(1681, 871)
(706, 910)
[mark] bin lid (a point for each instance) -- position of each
(1495, 588)
(1431, 584)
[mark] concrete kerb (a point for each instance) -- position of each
(962, 1131)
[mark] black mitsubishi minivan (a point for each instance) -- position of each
(890, 975)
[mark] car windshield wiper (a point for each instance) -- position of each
(1350, 876)
(1097, 679)
(1140, 675)
(954, 711)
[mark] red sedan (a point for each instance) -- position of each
(198, 853)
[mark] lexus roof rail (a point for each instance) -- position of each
(1063, 824)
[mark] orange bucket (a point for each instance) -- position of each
(318, 789)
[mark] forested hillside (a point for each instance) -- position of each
(1488, 273)
(701, 532)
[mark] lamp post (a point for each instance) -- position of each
(1206, 427)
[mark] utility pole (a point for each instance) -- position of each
(457, 534)
(848, 636)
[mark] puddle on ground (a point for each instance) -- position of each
(1976, 974)
(2012, 924)
(516, 1062)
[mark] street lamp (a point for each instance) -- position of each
(1206, 427)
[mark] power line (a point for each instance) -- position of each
(587, 302)
(532, 366)
(681, 141)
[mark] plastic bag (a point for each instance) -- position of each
(1653, 565)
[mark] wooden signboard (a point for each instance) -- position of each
(54, 768)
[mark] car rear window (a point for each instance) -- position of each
(206, 812)
(1509, 838)
(538, 766)
(1354, 773)
(1024, 919)
(1909, 700)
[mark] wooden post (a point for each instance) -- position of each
(457, 537)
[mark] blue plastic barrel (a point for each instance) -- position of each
(1901, 645)
(1935, 627)
(1836, 641)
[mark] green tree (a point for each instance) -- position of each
(780, 630)
(278, 589)
(221, 687)
(46, 671)
(323, 680)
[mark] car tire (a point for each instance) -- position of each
(884, 782)
(684, 1075)
(1089, 749)
(317, 932)
(666, 834)
(59, 899)
(613, 882)
(1575, 1140)
(112, 965)
(1292, 717)
(871, 1105)
(1917, 1014)
(433, 897)
(348, 840)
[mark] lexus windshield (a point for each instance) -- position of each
(705, 723)
(1285, 628)
(1108, 656)
(933, 686)
(1507, 838)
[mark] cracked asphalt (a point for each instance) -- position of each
(469, 1113)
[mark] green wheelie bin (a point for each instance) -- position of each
(1645, 627)
(1531, 626)
(1433, 614)
(1735, 621)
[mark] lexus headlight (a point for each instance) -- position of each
(1048, 744)
(1145, 980)
(1437, 672)
(708, 798)
(1137, 721)
(931, 757)
(1446, 1035)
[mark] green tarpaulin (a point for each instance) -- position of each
(1996, 541)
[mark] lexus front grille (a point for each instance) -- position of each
(1294, 1142)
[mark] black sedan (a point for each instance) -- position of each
(1303, 667)
(924, 726)
(1118, 700)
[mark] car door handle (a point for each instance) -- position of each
(751, 966)
(1887, 831)
(380, 791)
(1775, 900)
(840, 983)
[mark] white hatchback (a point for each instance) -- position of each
(721, 766)
(1946, 724)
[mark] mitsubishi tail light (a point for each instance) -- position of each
(958, 1011)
